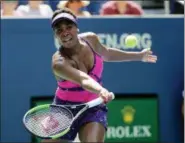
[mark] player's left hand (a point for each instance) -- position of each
(147, 56)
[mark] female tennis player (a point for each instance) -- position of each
(77, 66)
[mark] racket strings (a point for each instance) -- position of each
(49, 121)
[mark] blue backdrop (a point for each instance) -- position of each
(27, 47)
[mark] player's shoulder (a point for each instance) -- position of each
(89, 36)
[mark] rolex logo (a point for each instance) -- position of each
(128, 114)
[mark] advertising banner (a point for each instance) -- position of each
(133, 119)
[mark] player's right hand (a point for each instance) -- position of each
(106, 95)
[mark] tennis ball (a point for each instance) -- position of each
(131, 41)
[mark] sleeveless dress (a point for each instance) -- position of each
(69, 93)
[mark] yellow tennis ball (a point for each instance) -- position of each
(131, 41)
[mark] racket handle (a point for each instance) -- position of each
(113, 96)
(98, 101)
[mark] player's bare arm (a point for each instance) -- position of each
(114, 54)
(63, 69)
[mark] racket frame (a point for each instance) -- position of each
(39, 107)
(87, 105)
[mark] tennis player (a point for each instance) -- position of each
(77, 66)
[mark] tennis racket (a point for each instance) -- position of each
(50, 121)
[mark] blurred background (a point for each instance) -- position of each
(21, 7)
(149, 97)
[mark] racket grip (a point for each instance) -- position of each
(113, 96)
(98, 101)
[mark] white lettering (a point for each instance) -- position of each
(119, 132)
(102, 38)
(146, 41)
(111, 133)
(117, 41)
(138, 131)
(146, 130)
(112, 40)
(128, 133)
(122, 41)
